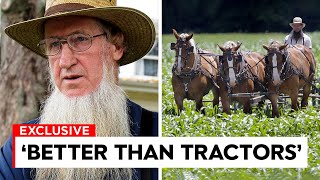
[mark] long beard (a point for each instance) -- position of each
(106, 107)
(297, 35)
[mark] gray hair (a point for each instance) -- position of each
(114, 34)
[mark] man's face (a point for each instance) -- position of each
(79, 73)
(297, 27)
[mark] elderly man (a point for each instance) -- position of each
(296, 36)
(85, 43)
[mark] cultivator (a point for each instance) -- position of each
(283, 100)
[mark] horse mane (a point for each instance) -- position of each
(229, 45)
(192, 42)
(184, 35)
(274, 44)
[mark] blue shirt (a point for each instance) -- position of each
(144, 123)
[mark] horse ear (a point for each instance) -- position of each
(189, 37)
(175, 33)
(265, 47)
(221, 48)
(238, 46)
(282, 47)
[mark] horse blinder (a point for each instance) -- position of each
(190, 49)
(239, 59)
(172, 46)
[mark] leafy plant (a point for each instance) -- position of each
(190, 123)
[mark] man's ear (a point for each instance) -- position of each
(116, 52)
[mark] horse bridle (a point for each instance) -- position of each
(230, 58)
(272, 52)
(284, 55)
(229, 55)
(285, 67)
(180, 44)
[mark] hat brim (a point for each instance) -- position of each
(298, 23)
(138, 29)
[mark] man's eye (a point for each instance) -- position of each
(81, 39)
(54, 44)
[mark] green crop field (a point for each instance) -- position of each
(302, 123)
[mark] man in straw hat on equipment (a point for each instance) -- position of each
(85, 42)
(296, 36)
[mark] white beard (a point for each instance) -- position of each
(106, 107)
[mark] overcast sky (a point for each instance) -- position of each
(150, 7)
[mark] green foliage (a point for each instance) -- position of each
(190, 123)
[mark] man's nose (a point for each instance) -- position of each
(67, 58)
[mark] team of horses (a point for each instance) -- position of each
(284, 69)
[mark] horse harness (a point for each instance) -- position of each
(244, 73)
(287, 69)
(187, 76)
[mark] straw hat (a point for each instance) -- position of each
(297, 20)
(138, 28)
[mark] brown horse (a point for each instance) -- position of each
(194, 72)
(240, 72)
(288, 69)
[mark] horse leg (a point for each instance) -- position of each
(306, 93)
(247, 106)
(199, 105)
(215, 101)
(274, 102)
(179, 101)
(294, 99)
(225, 101)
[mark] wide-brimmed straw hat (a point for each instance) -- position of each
(297, 20)
(137, 27)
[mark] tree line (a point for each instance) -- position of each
(218, 16)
